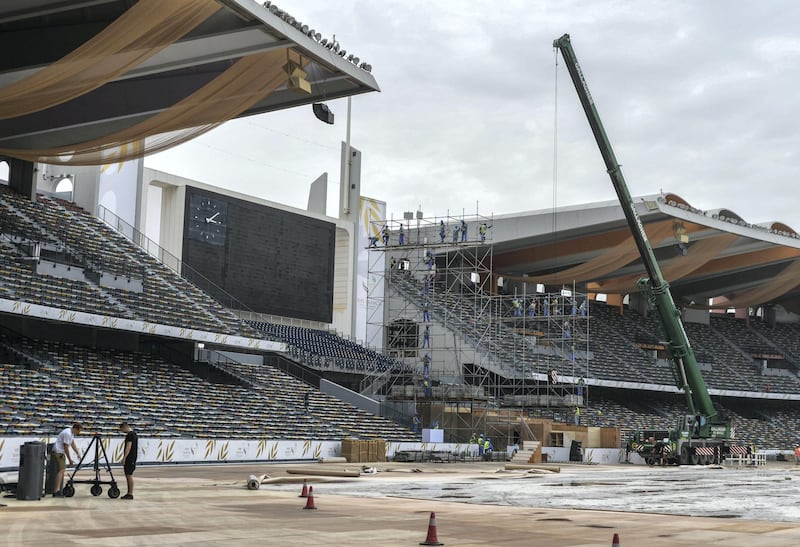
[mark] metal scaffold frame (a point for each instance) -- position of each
(475, 343)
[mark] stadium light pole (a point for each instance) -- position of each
(347, 161)
(354, 233)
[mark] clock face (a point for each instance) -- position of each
(208, 219)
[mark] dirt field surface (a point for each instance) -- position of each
(475, 504)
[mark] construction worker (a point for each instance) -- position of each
(426, 365)
(442, 231)
(482, 231)
(577, 414)
(582, 308)
(472, 439)
(463, 230)
(456, 230)
(426, 337)
(517, 306)
(480, 445)
(429, 259)
(393, 263)
(401, 235)
(385, 235)
(373, 241)
(487, 449)
(426, 388)
(426, 312)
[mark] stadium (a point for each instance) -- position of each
(227, 328)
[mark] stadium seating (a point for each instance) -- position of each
(103, 387)
(783, 336)
(87, 243)
(325, 350)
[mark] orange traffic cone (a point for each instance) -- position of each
(310, 500)
(432, 539)
(615, 541)
(304, 493)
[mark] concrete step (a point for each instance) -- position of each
(526, 452)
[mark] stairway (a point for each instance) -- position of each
(527, 453)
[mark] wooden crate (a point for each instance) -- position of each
(351, 450)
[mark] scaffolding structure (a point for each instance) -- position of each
(482, 350)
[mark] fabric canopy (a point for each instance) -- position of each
(781, 284)
(243, 84)
(699, 254)
(618, 256)
(142, 31)
(138, 34)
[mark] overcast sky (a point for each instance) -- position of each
(698, 98)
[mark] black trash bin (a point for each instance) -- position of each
(52, 471)
(575, 452)
(31, 471)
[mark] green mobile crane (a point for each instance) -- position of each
(702, 435)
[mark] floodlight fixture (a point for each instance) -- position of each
(335, 46)
(350, 57)
(355, 60)
(323, 42)
(267, 4)
(273, 9)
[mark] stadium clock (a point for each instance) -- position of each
(208, 219)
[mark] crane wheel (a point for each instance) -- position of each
(685, 457)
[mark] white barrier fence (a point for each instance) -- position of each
(757, 459)
(153, 450)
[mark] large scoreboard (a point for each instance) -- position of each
(273, 261)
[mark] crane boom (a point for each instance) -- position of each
(685, 368)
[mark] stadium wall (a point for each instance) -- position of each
(167, 451)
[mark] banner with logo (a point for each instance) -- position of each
(154, 450)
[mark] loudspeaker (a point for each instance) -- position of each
(323, 113)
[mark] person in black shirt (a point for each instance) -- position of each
(129, 456)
